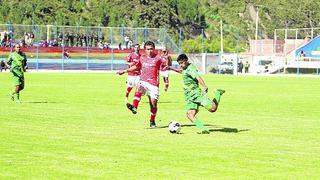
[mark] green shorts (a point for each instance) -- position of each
(200, 99)
(17, 78)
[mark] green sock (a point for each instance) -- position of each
(199, 124)
(12, 95)
(217, 96)
(16, 96)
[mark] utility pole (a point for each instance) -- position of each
(221, 36)
(256, 38)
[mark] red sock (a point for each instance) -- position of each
(166, 83)
(128, 91)
(153, 113)
(136, 99)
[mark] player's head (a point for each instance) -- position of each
(136, 48)
(164, 51)
(149, 47)
(183, 61)
(17, 47)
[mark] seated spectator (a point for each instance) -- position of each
(23, 44)
(3, 66)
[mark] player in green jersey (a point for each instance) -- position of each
(194, 95)
(17, 62)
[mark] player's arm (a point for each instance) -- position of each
(9, 62)
(169, 61)
(202, 83)
(24, 63)
(132, 68)
(128, 61)
(174, 69)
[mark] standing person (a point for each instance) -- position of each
(17, 62)
(167, 61)
(133, 76)
(149, 66)
(194, 95)
(240, 67)
(246, 67)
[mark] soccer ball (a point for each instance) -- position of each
(174, 127)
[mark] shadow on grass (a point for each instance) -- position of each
(161, 102)
(215, 129)
(40, 102)
(228, 130)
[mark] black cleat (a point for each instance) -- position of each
(132, 108)
(221, 91)
(152, 124)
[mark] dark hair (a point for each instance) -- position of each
(182, 57)
(149, 43)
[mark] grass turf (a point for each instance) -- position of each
(77, 126)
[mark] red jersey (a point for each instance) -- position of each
(135, 58)
(164, 58)
(149, 67)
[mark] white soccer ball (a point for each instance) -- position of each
(174, 127)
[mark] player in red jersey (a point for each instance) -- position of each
(167, 61)
(149, 65)
(133, 77)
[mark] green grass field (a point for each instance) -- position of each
(77, 126)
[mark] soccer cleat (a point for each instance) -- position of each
(221, 91)
(11, 96)
(152, 124)
(166, 89)
(132, 108)
(17, 101)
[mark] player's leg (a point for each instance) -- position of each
(153, 111)
(130, 84)
(192, 110)
(19, 88)
(136, 99)
(204, 100)
(191, 114)
(153, 92)
(165, 75)
(17, 78)
(166, 83)
(216, 100)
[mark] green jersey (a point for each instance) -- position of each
(190, 83)
(17, 61)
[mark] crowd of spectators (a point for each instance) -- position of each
(67, 39)
(71, 39)
(5, 39)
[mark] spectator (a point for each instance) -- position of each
(126, 40)
(240, 67)
(26, 39)
(130, 44)
(95, 39)
(246, 67)
(3, 66)
(120, 46)
(4, 39)
(67, 39)
(302, 55)
(77, 37)
(71, 37)
(31, 39)
(81, 38)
